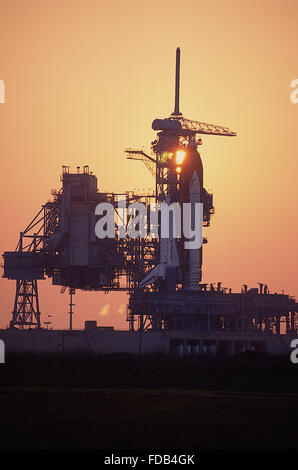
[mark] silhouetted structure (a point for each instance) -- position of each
(161, 275)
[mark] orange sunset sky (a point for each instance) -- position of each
(85, 79)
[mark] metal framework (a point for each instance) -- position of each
(60, 243)
(26, 306)
(43, 250)
(202, 127)
(25, 265)
(215, 310)
(208, 309)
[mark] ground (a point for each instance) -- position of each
(127, 402)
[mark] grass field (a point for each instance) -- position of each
(126, 402)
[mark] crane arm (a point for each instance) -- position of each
(178, 124)
(203, 127)
(140, 155)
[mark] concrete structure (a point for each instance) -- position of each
(105, 340)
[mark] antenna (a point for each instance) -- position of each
(177, 83)
(177, 123)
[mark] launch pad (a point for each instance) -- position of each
(162, 275)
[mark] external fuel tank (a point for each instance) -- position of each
(191, 191)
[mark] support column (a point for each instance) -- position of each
(26, 305)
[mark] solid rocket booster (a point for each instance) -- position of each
(194, 256)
